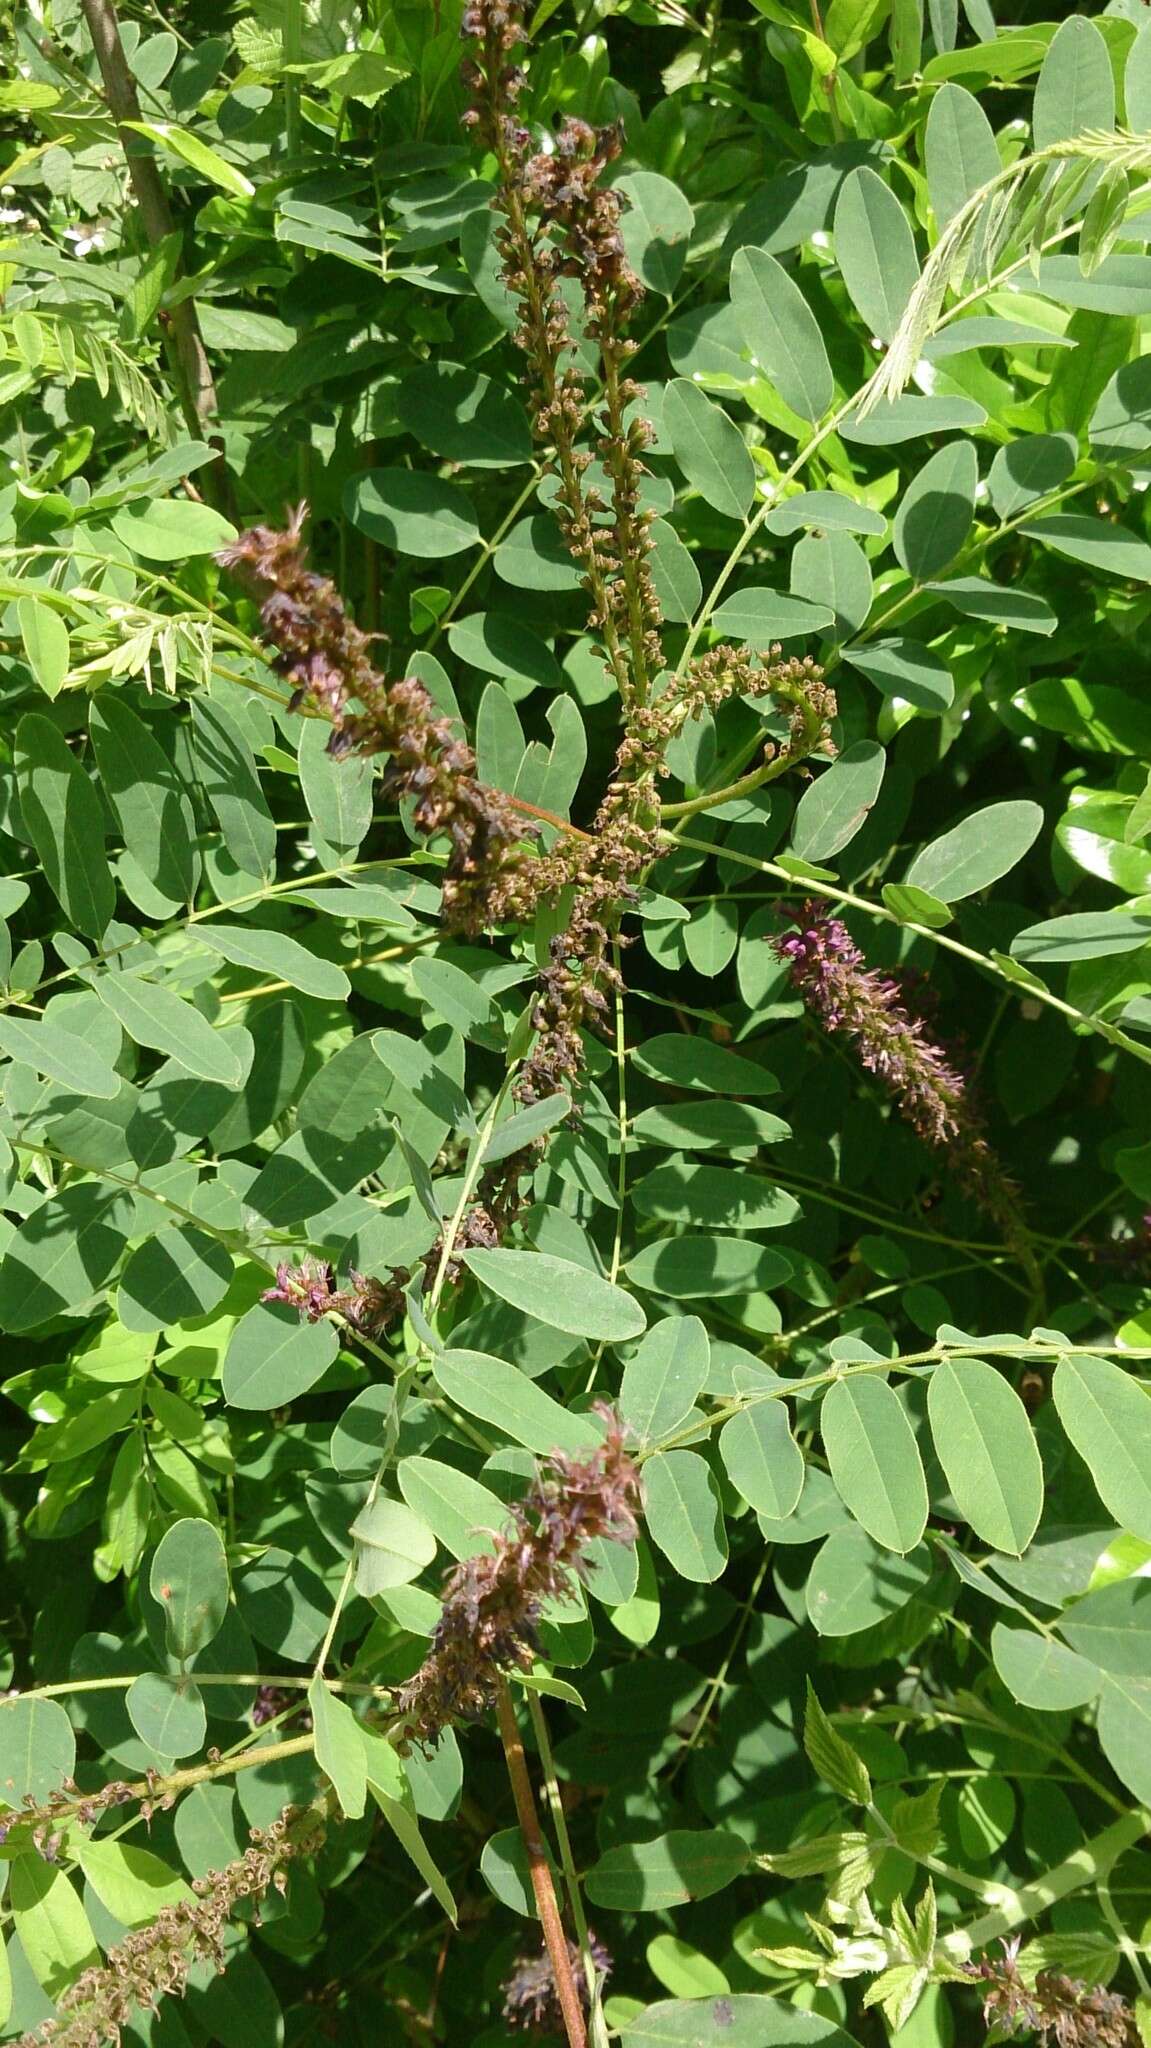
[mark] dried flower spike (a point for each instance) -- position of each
(324, 655)
(1061, 2012)
(531, 2000)
(155, 1961)
(868, 1008)
(492, 1604)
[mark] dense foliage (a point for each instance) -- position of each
(575, 876)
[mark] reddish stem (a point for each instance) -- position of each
(555, 1939)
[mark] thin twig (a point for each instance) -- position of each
(192, 374)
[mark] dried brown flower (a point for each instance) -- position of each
(155, 1961)
(492, 1603)
(325, 656)
(1060, 2011)
(531, 2000)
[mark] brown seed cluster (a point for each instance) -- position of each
(1060, 2011)
(492, 1604)
(531, 2000)
(325, 656)
(155, 1961)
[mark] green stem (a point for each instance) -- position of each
(1033, 989)
(1087, 1865)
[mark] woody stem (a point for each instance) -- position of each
(555, 1939)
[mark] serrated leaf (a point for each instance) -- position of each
(833, 1757)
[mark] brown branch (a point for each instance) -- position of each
(192, 374)
(555, 1939)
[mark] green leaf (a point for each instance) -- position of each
(1120, 285)
(502, 1395)
(533, 557)
(406, 1828)
(762, 616)
(905, 670)
(63, 819)
(274, 1357)
(1075, 91)
(167, 1713)
(1111, 1628)
(960, 151)
(339, 794)
(499, 645)
(987, 1450)
(694, 1267)
(1028, 469)
(1120, 427)
(762, 1459)
(874, 1460)
(276, 956)
(875, 250)
(339, 1748)
(978, 598)
(171, 529)
(463, 1514)
(746, 2019)
(152, 808)
(909, 417)
(936, 510)
(697, 1062)
(173, 1277)
(189, 1579)
(196, 154)
(506, 1871)
(1107, 1415)
(421, 1076)
(834, 1759)
(722, 1196)
(854, 1584)
(709, 449)
(45, 637)
(1124, 1730)
(832, 569)
(463, 416)
(836, 805)
(61, 1254)
(411, 511)
(708, 1126)
(1137, 86)
(558, 1293)
(132, 1883)
(684, 1515)
(663, 1377)
(682, 1969)
(154, 1017)
(1098, 542)
(915, 906)
(1081, 935)
(49, 1049)
(976, 852)
(51, 1923)
(228, 773)
(830, 511)
(649, 1877)
(781, 333)
(37, 1750)
(393, 1546)
(656, 229)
